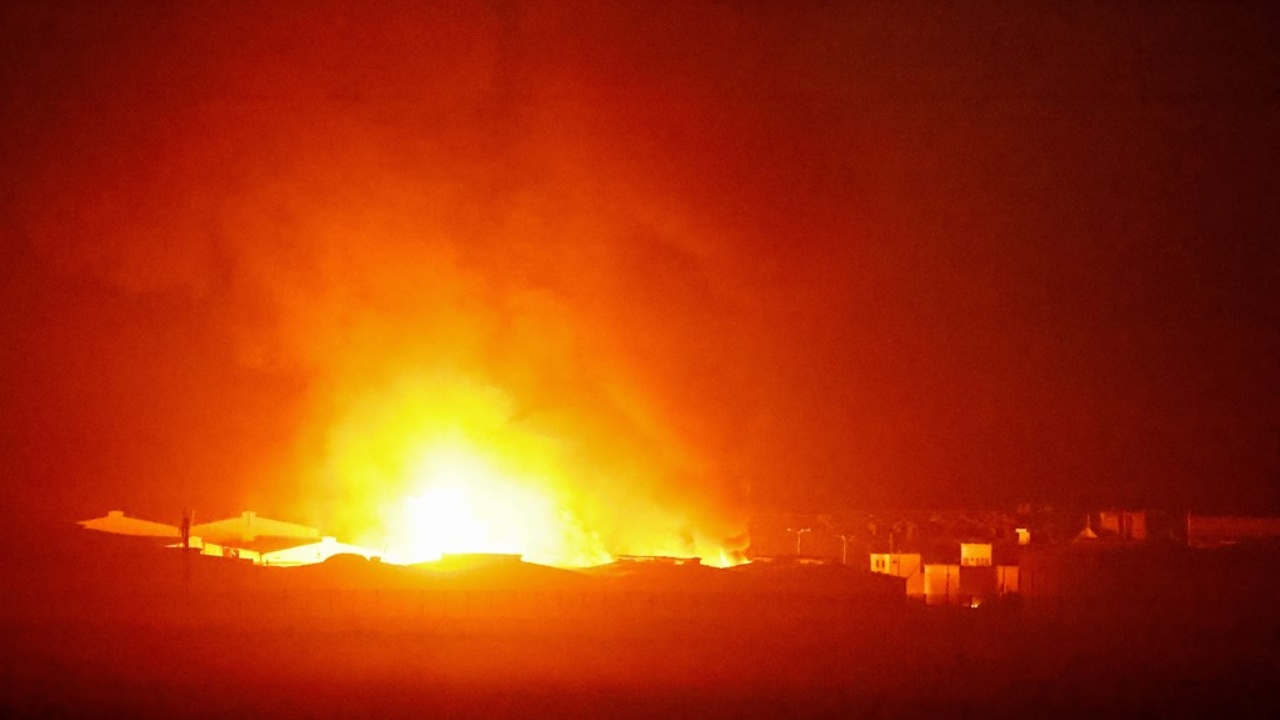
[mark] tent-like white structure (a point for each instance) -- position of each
(117, 523)
(248, 528)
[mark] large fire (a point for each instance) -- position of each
(464, 502)
(441, 466)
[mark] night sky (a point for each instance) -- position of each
(775, 255)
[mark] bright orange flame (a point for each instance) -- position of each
(438, 466)
(462, 502)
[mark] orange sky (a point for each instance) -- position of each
(732, 256)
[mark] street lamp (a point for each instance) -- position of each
(800, 532)
(844, 548)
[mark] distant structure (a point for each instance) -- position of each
(1206, 531)
(117, 523)
(975, 554)
(1049, 558)
(909, 566)
(658, 560)
(248, 530)
(1087, 534)
(975, 579)
(1124, 524)
(245, 537)
(316, 552)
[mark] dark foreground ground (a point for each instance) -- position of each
(88, 630)
(913, 662)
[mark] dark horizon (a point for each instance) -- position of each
(720, 256)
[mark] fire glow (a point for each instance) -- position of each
(439, 466)
(463, 502)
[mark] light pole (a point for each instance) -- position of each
(844, 549)
(800, 532)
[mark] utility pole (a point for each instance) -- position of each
(187, 517)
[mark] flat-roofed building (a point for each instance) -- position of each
(908, 566)
(975, 554)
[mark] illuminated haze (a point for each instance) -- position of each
(698, 258)
(394, 208)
